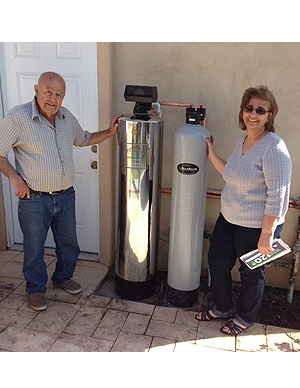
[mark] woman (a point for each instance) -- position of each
(254, 202)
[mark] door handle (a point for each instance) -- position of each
(94, 165)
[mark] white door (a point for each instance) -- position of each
(21, 64)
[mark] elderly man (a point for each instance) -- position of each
(42, 134)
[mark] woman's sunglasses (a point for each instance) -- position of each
(259, 110)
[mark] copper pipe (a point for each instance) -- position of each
(209, 194)
(216, 194)
(182, 104)
(166, 191)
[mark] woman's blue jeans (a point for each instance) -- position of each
(37, 215)
(229, 242)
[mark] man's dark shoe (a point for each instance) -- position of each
(37, 301)
(69, 286)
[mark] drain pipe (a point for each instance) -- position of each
(295, 264)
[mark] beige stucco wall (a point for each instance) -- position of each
(215, 75)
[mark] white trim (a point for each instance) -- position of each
(6, 191)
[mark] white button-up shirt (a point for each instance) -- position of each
(43, 153)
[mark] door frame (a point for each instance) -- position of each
(106, 158)
(3, 241)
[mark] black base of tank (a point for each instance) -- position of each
(182, 298)
(134, 290)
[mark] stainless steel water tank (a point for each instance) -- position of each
(140, 143)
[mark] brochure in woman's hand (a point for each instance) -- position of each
(255, 259)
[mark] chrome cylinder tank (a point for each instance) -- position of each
(140, 145)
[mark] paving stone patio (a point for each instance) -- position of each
(93, 323)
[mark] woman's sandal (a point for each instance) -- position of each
(234, 328)
(206, 316)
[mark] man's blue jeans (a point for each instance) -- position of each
(229, 242)
(36, 215)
